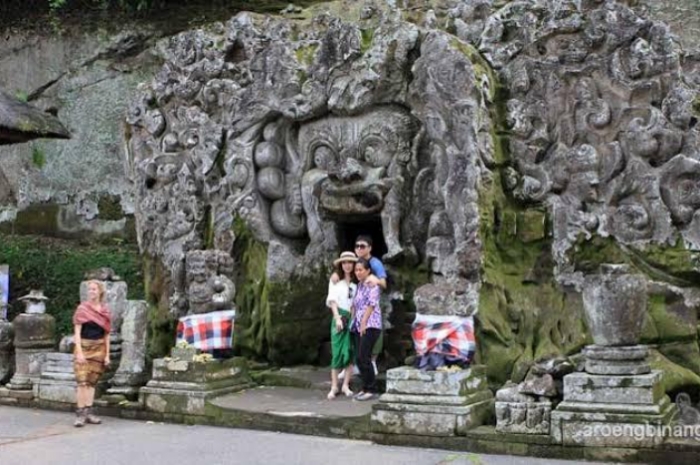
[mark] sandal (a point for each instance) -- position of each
(331, 395)
(347, 392)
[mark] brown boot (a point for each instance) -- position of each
(79, 418)
(90, 418)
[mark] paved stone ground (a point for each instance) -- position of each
(288, 401)
(29, 437)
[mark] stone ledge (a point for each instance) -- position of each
(435, 400)
(483, 439)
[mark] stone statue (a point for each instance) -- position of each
(209, 288)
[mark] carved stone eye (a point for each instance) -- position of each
(375, 152)
(323, 157)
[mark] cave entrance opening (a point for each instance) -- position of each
(348, 231)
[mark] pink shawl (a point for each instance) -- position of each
(87, 312)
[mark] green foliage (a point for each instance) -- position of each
(58, 267)
(38, 156)
(253, 318)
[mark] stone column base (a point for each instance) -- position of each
(433, 403)
(612, 411)
(182, 386)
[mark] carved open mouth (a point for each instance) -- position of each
(368, 201)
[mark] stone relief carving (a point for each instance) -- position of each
(294, 128)
(358, 167)
(617, 134)
(295, 131)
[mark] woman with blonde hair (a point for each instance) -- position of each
(92, 322)
(340, 295)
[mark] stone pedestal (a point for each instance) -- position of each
(433, 403)
(612, 411)
(57, 381)
(131, 374)
(183, 383)
(7, 361)
(618, 401)
(34, 339)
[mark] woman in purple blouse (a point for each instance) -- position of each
(367, 326)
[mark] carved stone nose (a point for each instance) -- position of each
(349, 171)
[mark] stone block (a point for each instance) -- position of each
(184, 353)
(599, 429)
(407, 380)
(624, 360)
(637, 390)
(523, 417)
(184, 387)
(57, 391)
(433, 403)
(57, 380)
(21, 394)
(429, 420)
(612, 411)
(531, 225)
(131, 373)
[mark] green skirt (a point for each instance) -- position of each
(341, 345)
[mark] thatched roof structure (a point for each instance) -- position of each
(20, 122)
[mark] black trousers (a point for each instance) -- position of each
(364, 345)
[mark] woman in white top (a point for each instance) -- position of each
(339, 300)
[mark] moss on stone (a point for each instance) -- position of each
(253, 316)
(38, 156)
(109, 208)
(306, 53)
(523, 314)
(40, 219)
(675, 264)
(366, 38)
(588, 254)
(674, 378)
(668, 263)
(161, 323)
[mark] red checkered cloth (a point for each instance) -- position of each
(451, 336)
(207, 331)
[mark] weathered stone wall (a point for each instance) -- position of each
(72, 187)
(228, 103)
(683, 16)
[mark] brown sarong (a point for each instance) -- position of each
(89, 373)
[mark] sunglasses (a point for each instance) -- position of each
(361, 246)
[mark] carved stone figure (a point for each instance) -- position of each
(358, 167)
(209, 288)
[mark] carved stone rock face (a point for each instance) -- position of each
(361, 158)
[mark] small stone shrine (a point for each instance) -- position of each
(618, 390)
(443, 402)
(34, 338)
